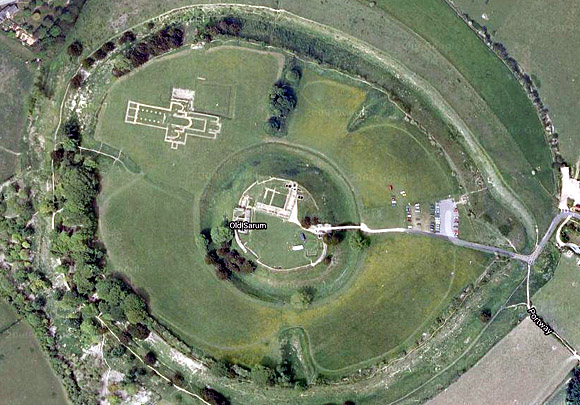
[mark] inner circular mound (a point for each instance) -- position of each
(278, 192)
(267, 226)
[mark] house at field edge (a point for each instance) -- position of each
(7, 12)
(570, 190)
(7, 2)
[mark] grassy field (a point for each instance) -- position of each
(557, 303)
(390, 304)
(525, 367)
(430, 41)
(250, 72)
(436, 22)
(15, 83)
(549, 54)
(148, 220)
(376, 156)
(25, 373)
(274, 245)
(215, 315)
(7, 316)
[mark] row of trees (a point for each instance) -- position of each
(325, 52)
(90, 288)
(282, 102)
(156, 44)
(308, 221)
(357, 240)
(229, 26)
(525, 80)
(75, 49)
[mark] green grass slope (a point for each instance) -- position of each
(24, 370)
(550, 54)
(15, 82)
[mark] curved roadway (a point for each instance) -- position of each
(529, 259)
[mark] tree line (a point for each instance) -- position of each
(137, 54)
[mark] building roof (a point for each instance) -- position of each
(570, 189)
(8, 11)
(6, 2)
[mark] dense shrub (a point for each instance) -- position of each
(75, 49)
(87, 63)
(128, 36)
(156, 44)
(214, 397)
(77, 81)
(573, 391)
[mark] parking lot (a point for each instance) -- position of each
(440, 217)
(447, 218)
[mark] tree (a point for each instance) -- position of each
(214, 397)
(262, 375)
(485, 315)
(358, 241)
(139, 331)
(121, 66)
(134, 308)
(68, 17)
(178, 379)
(201, 242)
(282, 99)
(274, 125)
(88, 62)
(138, 54)
(118, 351)
(248, 267)
(221, 235)
(75, 49)
(125, 338)
(573, 391)
(77, 81)
(54, 31)
(150, 358)
(303, 298)
(108, 46)
(306, 222)
(333, 238)
(41, 32)
(100, 54)
(128, 36)
(222, 272)
(293, 76)
(90, 330)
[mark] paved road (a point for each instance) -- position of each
(529, 259)
(555, 222)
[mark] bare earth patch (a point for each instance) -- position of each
(524, 368)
